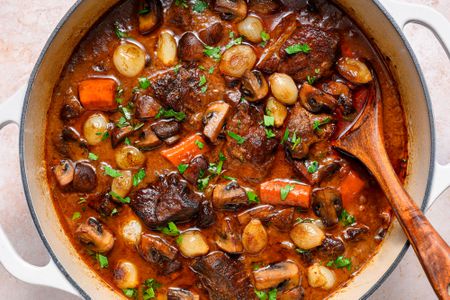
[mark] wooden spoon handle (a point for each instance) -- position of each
(432, 251)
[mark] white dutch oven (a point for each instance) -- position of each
(66, 270)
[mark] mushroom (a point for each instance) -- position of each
(257, 212)
(97, 237)
(148, 139)
(64, 172)
(212, 34)
(353, 233)
(84, 178)
(172, 140)
(190, 48)
(175, 293)
(146, 107)
(156, 250)
(314, 100)
(214, 118)
(150, 15)
(231, 9)
(165, 129)
(293, 294)
(254, 85)
(118, 135)
(71, 108)
(281, 219)
(331, 248)
(197, 166)
(327, 204)
(227, 237)
(125, 275)
(283, 275)
(264, 7)
(229, 196)
(206, 216)
(254, 237)
(343, 94)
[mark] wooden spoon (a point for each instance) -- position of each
(364, 140)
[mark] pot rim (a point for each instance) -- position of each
(35, 218)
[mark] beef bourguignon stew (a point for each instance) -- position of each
(189, 149)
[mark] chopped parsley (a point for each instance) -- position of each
(284, 191)
(313, 167)
(213, 52)
(143, 11)
(340, 262)
(296, 48)
(239, 139)
(130, 293)
(179, 239)
(311, 79)
(216, 169)
(346, 218)
(92, 156)
(182, 168)
(119, 198)
(318, 123)
(211, 70)
(126, 111)
(271, 295)
(233, 41)
(202, 183)
(81, 200)
(122, 122)
(269, 121)
(170, 113)
(202, 80)
(76, 215)
(199, 144)
(138, 177)
(114, 212)
(111, 172)
(102, 260)
(104, 135)
(301, 251)
(229, 178)
(200, 6)
(295, 141)
(181, 3)
(171, 229)
(120, 31)
(127, 141)
(144, 83)
(269, 133)
(252, 197)
(150, 290)
(176, 69)
(285, 136)
(265, 38)
(305, 220)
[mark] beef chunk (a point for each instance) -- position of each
(354, 233)
(317, 62)
(165, 129)
(309, 127)
(224, 278)
(168, 199)
(102, 203)
(197, 167)
(146, 106)
(118, 135)
(331, 248)
(157, 251)
(256, 147)
(71, 109)
(178, 91)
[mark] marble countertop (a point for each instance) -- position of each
(26, 26)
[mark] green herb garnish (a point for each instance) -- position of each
(200, 6)
(102, 260)
(138, 177)
(313, 167)
(116, 196)
(340, 262)
(182, 168)
(170, 113)
(318, 123)
(284, 191)
(269, 121)
(144, 83)
(92, 156)
(269, 133)
(171, 229)
(285, 136)
(130, 293)
(346, 218)
(213, 52)
(296, 48)
(265, 38)
(252, 197)
(239, 139)
(111, 172)
(76, 215)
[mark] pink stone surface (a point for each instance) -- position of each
(26, 26)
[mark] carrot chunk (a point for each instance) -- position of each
(285, 192)
(98, 94)
(351, 187)
(184, 151)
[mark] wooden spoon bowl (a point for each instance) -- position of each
(364, 140)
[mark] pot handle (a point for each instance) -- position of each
(404, 13)
(48, 275)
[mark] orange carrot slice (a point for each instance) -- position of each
(187, 149)
(285, 192)
(98, 94)
(351, 187)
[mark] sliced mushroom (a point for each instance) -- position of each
(282, 219)
(254, 85)
(97, 237)
(84, 178)
(254, 237)
(125, 275)
(214, 119)
(118, 135)
(148, 139)
(327, 204)
(354, 233)
(155, 250)
(343, 94)
(257, 212)
(314, 100)
(263, 6)
(354, 70)
(175, 293)
(229, 196)
(235, 10)
(212, 34)
(150, 15)
(190, 48)
(172, 140)
(331, 248)
(71, 109)
(227, 236)
(283, 276)
(165, 129)
(146, 107)
(64, 172)
(293, 294)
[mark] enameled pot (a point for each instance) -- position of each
(67, 271)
